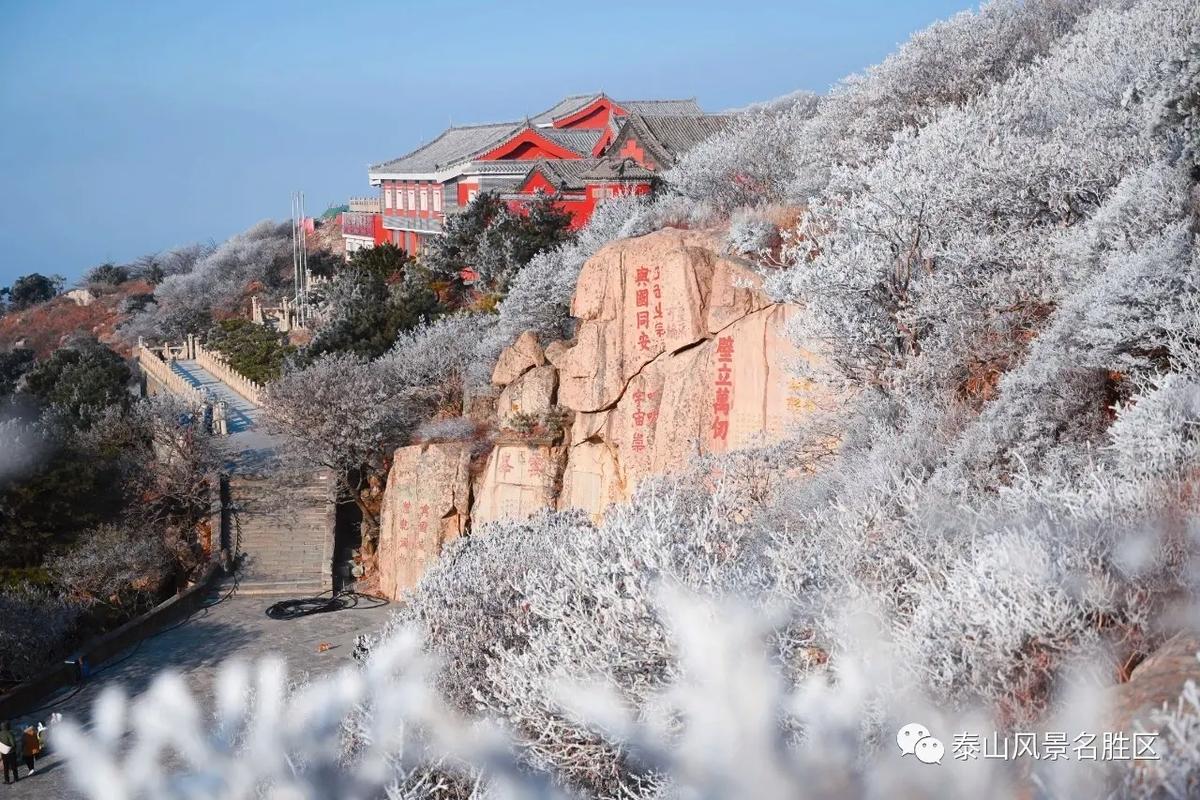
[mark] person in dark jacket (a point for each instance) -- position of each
(31, 746)
(10, 758)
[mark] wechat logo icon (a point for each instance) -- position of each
(914, 740)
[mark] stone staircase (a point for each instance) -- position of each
(284, 531)
(280, 526)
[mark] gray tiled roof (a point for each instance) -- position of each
(614, 127)
(671, 135)
(566, 174)
(568, 105)
(458, 144)
(615, 169)
(579, 141)
(507, 167)
(453, 146)
(659, 107)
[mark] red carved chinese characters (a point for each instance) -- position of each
(648, 287)
(723, 389)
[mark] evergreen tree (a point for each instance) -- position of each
(386, 261)
(13, 364)
(371, 303)
(29, 290)
(81, 380)
(253, 350)
(487, 244)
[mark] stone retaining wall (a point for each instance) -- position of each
(29, 696)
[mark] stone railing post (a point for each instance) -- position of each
(220, 419)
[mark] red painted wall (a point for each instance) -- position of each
(579, 207)
(464, 189)
(631, 149)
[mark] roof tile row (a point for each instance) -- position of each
(459, 144)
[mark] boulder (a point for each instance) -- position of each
(522, 355)
(532, 393)
(556, 351)
(82, 297)
(519, 480)
(736, 293)
(1156, 681)
(678, 354)
(425, 504)
(592, 480)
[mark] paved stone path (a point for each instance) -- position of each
(242, 413)
(248, 442)
(229, 627)
(235, 627)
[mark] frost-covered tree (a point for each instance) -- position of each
(749, 163)
(40, 624)
(197, 285)
(347, 414)
(996, 253)
(114, 566)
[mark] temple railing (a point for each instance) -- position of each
(368, 205)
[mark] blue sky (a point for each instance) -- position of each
(129, 127)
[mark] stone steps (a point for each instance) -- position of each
(291, 589)
(285, 534)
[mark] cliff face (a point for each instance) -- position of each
(678, 354)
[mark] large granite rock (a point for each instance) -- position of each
(733, 390)
(522, 355)
(639, 298)
(532, 393)
(593, 479)
(678, 354)
(425, 504)
(520, 479)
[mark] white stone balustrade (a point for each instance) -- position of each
(154, 366)
(216, 363)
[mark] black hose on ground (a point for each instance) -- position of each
(324, 603)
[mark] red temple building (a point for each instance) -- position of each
(565, 150)
(644, 145)
(362, 225)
